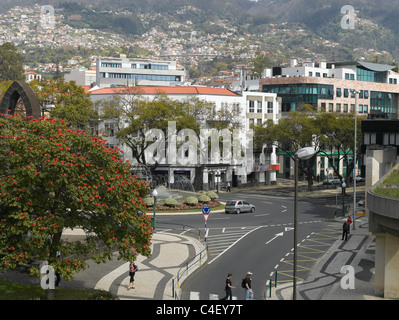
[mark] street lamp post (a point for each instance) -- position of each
(356, 92)
(343, 197)
(154, 222)
(303, 154)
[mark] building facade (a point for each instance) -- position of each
(248, 108)
(330, 86)
(122, 71)
(82, 76)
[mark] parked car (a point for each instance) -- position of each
(359, 179)
(238, 206)
(335, 181)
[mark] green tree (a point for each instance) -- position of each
(337, 141)
(135, 115)
(10, 63)
(52, 178)
(259, 63)
(296, 131)
(71, 102)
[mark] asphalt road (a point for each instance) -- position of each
(259, 242)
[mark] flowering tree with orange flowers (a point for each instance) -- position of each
(53, 177)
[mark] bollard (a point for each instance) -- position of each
(270, 291)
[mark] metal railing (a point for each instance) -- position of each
(191, 265)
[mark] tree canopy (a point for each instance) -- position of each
(55, 177)
(11, 63)
(134, 115)
(331, 134)
(71, 102)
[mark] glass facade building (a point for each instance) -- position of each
(294, 95)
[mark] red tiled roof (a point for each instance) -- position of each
(165, 90)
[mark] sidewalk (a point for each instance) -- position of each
(327, 282)
(156, 275)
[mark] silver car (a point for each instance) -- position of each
(238, 206)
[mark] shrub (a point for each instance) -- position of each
(212, 195)
(202, 192)
(170, 202)
(204, 198)
(192, 201)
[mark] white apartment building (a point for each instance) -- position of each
(122, 71)
(348, 70)
(248, 107)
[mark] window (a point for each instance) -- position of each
(360, 108)
(324, 75)
(366, 138)
(251, 122)
(259, 107)
(346, 93)
(331, 107)
(338, 107)
(373, 138)
(365, 108)
(134, 65)
(366, 94)
(339, 92)
(345, 108)
(109, 129)
(259, 122)
(153, 77)
(352, 108)
(317, 74)
(269, 107)
(111, 65)
(310, 74)
(361, 94)
(236, 108)
(153, 66)
(251, 106)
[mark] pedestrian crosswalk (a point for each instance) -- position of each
(194, 295)
(220, 240)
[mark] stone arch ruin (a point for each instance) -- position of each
(17, 90)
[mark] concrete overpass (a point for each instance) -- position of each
(384, 224)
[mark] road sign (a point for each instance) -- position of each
(206, 210)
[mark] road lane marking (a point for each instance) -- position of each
(261, 215)
(227, 249)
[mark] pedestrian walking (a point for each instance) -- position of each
(247, 285)
(349, 224)
(345, 230)
(132, 271)
(228, 288)
(228, 189)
